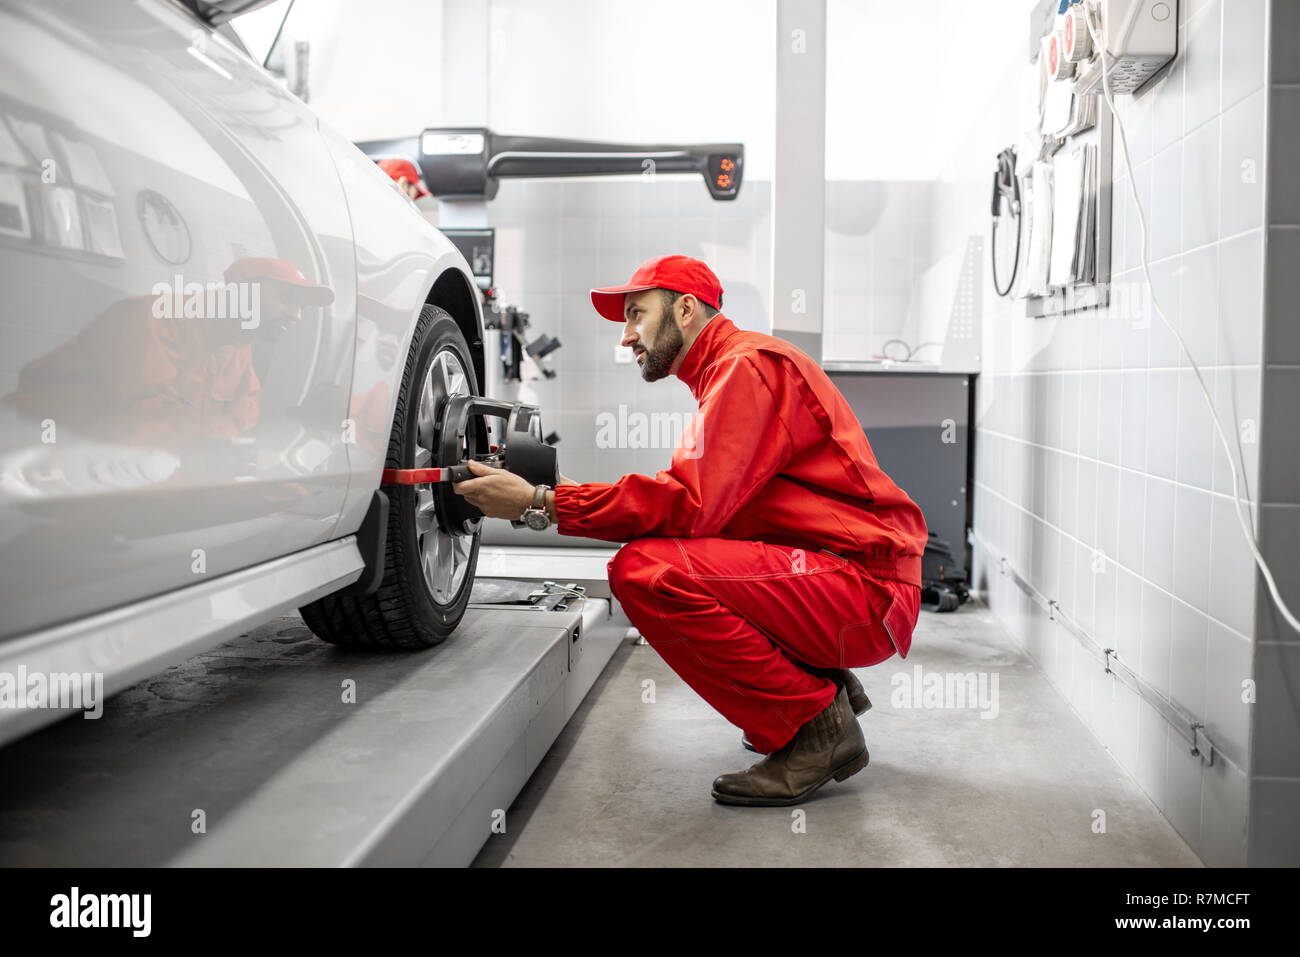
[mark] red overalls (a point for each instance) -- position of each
(728, 571)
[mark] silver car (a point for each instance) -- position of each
(220, 324)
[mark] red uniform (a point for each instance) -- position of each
(728, 571)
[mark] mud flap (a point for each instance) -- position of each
(372, 539)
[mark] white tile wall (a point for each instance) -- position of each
(877, 238)
(1103, 440)
(1198, 306)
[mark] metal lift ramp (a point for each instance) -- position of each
(252, 754)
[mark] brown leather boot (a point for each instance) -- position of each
(847, 680)
(829, 745)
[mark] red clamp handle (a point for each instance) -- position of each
(411, 476)
(453, 473)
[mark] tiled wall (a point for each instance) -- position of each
(1099, 475)
(877, 243)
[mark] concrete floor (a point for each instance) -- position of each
(627, 783)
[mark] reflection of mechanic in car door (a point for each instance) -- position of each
(772, 554)
(140, 373)
(405, 175)
(371, 402)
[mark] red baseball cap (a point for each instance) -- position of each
(678, 273)
(396, 167)
(252, 268)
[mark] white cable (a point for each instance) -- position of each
(577, 592)
(1089, 11)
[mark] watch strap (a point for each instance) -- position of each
(538, 505)
(539, 496)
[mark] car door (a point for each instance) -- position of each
(178, 323)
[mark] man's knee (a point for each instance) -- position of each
(635, 566)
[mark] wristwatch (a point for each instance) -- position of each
(535, 516)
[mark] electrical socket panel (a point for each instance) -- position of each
(1141, 36)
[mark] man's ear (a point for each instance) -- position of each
(694, 310)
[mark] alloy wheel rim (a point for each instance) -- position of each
(444, 557)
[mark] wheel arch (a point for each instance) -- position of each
(460, 298)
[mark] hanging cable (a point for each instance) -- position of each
(1006, 191)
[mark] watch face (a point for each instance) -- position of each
(537, 520)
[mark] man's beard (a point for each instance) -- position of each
(659, 358)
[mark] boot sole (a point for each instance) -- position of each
(842, 773)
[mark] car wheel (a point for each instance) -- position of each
(430, 556)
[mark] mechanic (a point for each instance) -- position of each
(405, 175)
(771, 556)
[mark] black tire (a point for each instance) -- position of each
(404, 612)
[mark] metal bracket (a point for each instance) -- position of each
(1108, 652)
(1051, 609)
(1197, 738)
(571, 591)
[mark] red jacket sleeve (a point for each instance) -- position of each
(734, 445)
